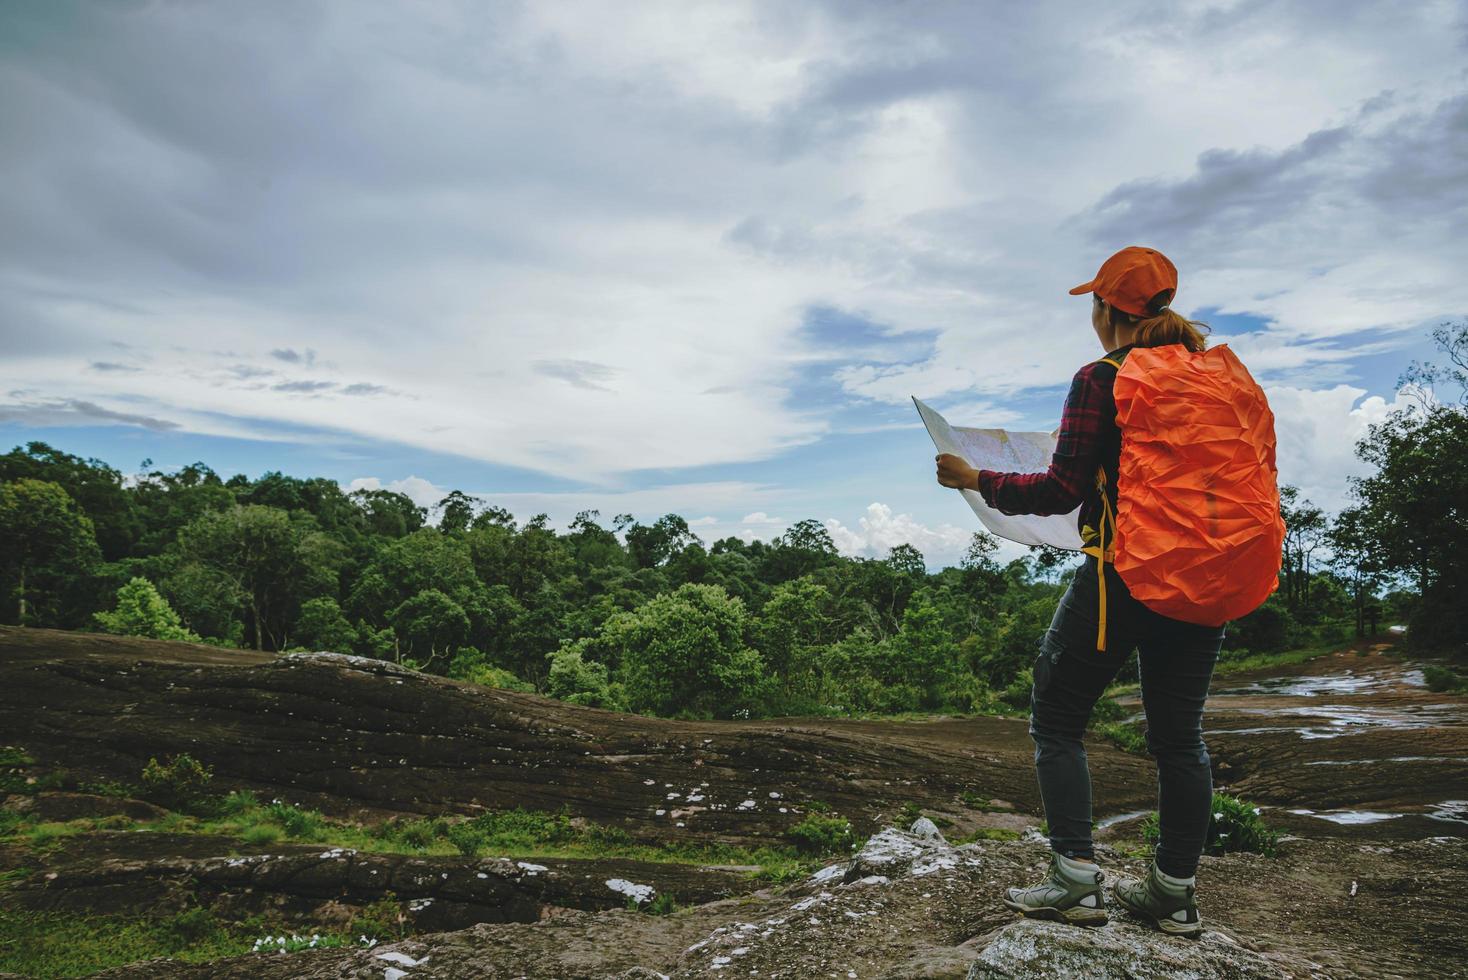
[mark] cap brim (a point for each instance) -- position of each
(1085, 287)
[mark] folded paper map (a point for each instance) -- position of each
(1007, 452)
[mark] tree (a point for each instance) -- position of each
(321, 626)
(389, 514)
(906, 559)
(652, 545)
(1411, 509)
(1305, 530)
(141, 611)
(49, 545)
(685, 651)
(805, 547)
(456, 512)
(251, 555)
(430, 621)
(96, 487)
(1354, 559)
(793, 624)
(574, 678)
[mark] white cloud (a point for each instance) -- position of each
(1316, 433)
(415, 488)
(760, 517)
(586, 236)
(879, 530)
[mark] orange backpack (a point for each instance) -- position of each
(1197, 533)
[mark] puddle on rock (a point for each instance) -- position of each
(1342, 719)
(1115, 819)
(1396, 758)
(1349, 817)
(1327, 684)
(1452, 811)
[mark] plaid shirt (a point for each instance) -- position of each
(1089, 437)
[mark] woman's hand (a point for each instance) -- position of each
(954, 472)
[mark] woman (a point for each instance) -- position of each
(1130, 293)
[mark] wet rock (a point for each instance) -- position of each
(63, 806)
(924, 828)
(365, 739)
(313, 885)
(1122, 950)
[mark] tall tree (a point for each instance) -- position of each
(253, 553)
(49, 546)
(1413, 506)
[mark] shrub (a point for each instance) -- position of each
(1127, 737)
(416, 833)
(1106, 709)
(383, 919)
(662, 904)
(191, 925)
(295, 820)
(1233, 826)
(260, 833)
(467, 839)
(818, 834)
(238, 803)
(141, 611)
(179, 784)
(519, 828)
(576, 679)
(1017, 693)
(1443, 680)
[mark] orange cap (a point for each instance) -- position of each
(1131, 278)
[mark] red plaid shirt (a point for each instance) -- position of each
(1089, 437)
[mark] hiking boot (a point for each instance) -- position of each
(1071, 892)
(1162, 900)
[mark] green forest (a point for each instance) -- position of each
(648, 617)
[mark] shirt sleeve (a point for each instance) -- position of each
(1062, 487)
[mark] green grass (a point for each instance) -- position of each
(820, 834)
(518, 832)
(1127, 737)
(65, 944)
(69, 944)
(1233, 826)
(1261, 661)
(974, 801)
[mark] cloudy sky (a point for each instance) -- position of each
(695, 258)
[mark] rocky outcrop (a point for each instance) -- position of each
(325, 887)
(365, 738)
(909, 905)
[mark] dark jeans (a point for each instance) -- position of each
(1176, 664)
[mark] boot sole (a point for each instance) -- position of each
(1190, 930)
(1076, 916)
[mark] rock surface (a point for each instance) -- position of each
(365, 738)
(362, 738)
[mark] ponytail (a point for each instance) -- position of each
(1171, 327)
(1162, 325)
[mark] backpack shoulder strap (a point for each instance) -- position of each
(1114, 359)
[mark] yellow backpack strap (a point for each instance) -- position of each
(1108, 520)
(1099, 549)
